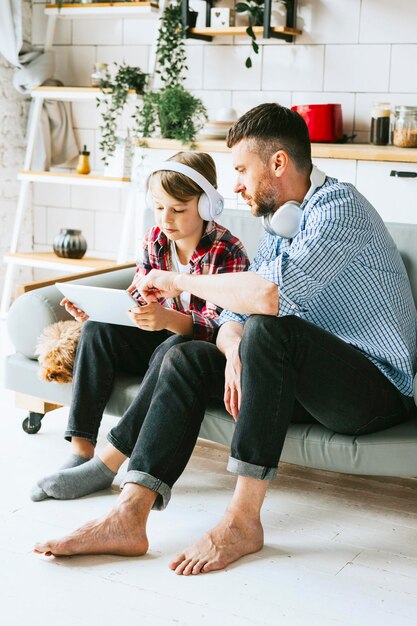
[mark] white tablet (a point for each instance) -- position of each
(100, 303)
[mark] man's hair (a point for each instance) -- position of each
(178, 185)
(272, 127)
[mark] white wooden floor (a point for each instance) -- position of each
(339, 549)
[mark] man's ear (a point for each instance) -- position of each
(279, 163)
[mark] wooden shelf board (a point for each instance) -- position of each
(73, 93)
(353, 151)
(69, 178)
(237, 31)
(103, 9)
(49, 260)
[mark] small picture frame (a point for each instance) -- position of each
(220, 17)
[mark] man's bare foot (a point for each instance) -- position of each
(121, 532)
(231, 539)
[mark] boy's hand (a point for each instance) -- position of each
(158, 284)
(77, 314)
(152, 316)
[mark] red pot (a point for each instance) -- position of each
(324, 121)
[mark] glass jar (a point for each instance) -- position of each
(405, 127)
(380, 123)
(98, 74)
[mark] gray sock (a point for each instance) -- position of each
(74, 460)
(74, 482)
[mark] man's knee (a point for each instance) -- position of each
(269, 328)
(194, 357)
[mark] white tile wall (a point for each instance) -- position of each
(224, 68)
(328, 21)
(95, 199)
(294, 68)
(74, 64)
(97, 32)
(107, 231)
(132, 55)
(385, 21)
(357, 68)
(404, 68)
(244, 100)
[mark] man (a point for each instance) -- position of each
(323, 330)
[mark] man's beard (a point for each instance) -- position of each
(264, 200)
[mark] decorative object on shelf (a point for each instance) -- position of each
(111, 104)
(405, 127)
(70, 244)
(173, 110)
(220, 17)
(83, 165)
(219, 128)
(99, 74)
(324, 121)
(380, 123)
(200, 6)
(192, 18)
(119, 165)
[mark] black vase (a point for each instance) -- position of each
(70, 244)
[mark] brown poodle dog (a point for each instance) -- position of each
(55, 350)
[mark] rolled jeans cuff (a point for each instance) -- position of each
(146, 480)
(69, 434)
(235, 466)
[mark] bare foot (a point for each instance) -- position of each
(231, 539)
(121, 532)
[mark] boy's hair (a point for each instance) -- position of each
(271, 127)
(179, 186)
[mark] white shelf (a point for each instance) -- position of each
(75, 93)
(110, 10)
(66, 178)
(49, 260)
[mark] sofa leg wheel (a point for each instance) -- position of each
(32, 424)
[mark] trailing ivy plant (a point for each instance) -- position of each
(173, 111)
(170, 48)
(255, 11)
(115, 92)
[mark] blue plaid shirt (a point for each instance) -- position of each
(343, 272)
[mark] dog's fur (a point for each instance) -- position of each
(56, 349)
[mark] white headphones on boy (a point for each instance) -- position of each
(285, 222)
(210, 203)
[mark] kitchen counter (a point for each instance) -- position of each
(353, 151)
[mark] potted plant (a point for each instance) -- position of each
(112, 102)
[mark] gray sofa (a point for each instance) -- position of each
(392, 452)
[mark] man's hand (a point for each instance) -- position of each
(232, 388)
(77, 314)
(152, 316)
(158, 284)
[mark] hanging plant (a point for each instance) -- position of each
(173, 111)
(170, 48)
(111, 104)
(255, 11)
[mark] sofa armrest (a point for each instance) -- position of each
(36, 309)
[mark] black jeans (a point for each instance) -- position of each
(103, 351)
(291, 370)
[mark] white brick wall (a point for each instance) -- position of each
(13, 115)
(352, 52)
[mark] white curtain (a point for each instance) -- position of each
(55, 143)
(11, 30)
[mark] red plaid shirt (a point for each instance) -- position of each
(218, 252)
